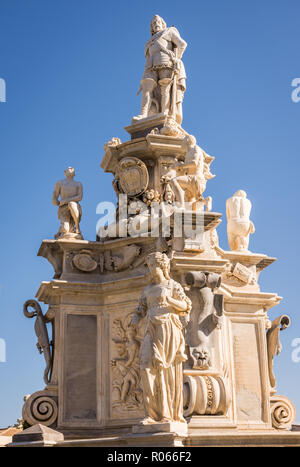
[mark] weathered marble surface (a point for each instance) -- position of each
(162, 303)
(163, 82)
(166, 340)
(239, 226)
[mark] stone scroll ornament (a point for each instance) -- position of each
(43, 344)
(166, 308)
(205, 316)
(41, 407)
(283, 412)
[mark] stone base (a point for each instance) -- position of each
(246, 438)
(178, 428)
(71, 236)
(37, 435)
(204, 438)
(160, 123)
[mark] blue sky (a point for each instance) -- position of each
(72, 69)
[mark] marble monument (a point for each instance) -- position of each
(153, 334)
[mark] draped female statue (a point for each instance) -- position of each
(166, 308)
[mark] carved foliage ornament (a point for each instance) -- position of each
(133, 176)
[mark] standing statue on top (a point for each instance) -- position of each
(163, 82)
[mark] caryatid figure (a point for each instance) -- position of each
(162, 303)
(239, 226)
(163, 68)
(67, 194)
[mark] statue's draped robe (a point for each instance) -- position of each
(162, 352)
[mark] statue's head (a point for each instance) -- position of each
(157, 24)
(241, 194)
(169, 195)
(189, 140)
(69, 172)
(160, 261)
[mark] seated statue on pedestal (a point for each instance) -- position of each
(163, 82)
(163, 347)
(196, 173)
(69, 209)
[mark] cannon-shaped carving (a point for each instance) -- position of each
(205, 395)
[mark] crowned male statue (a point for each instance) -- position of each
(163, 82)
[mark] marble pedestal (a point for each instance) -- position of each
(91, 299)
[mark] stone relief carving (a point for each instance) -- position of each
(163, 82)
(67, 194)
(132, 176)
(151, 196)
(205, 316)
(240, 275)
(127, 393)
(129, 254)
(239, 226)
(171, 190)
(214, 238)
(274, 345)
(43, 343)
(110, 260)
(84, 261)
(162, 303)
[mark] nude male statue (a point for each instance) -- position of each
(163, 54)
(70, 193)
(239, 226)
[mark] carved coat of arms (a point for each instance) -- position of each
(133, 176)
